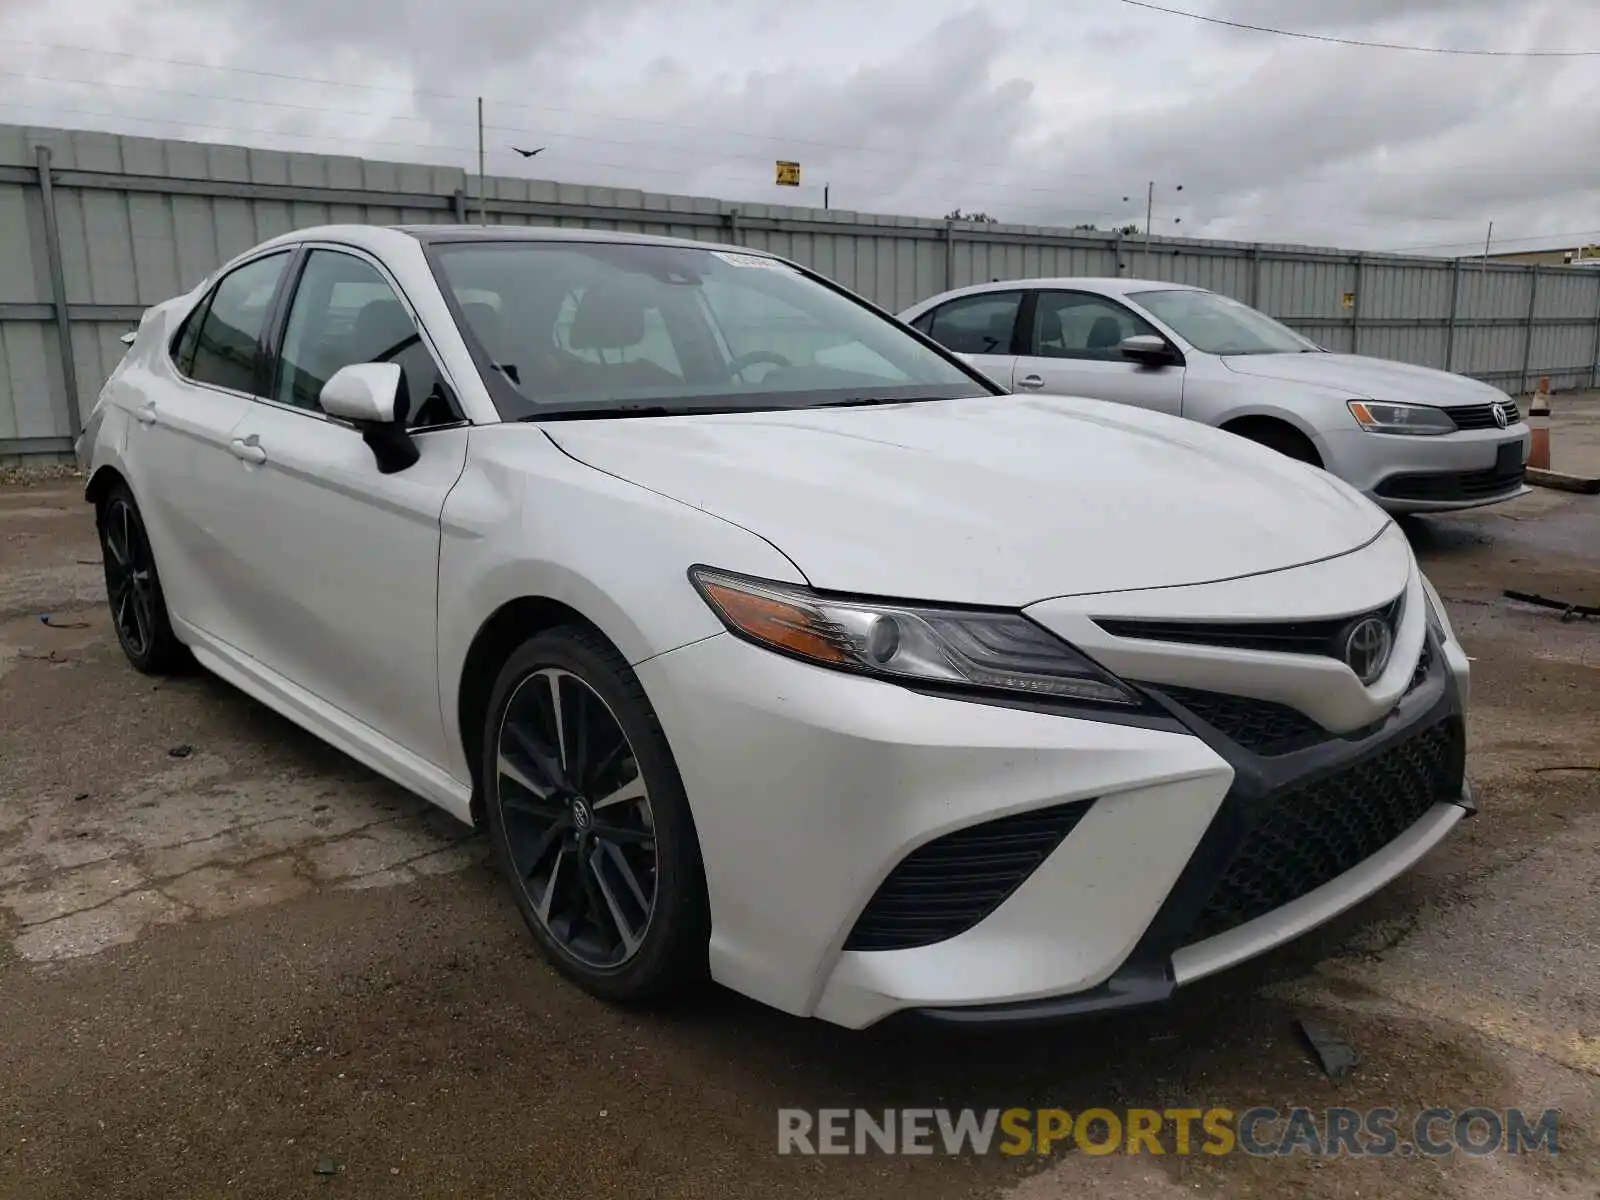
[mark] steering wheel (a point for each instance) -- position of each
(755, 358)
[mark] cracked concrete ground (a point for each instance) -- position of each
(230, 956)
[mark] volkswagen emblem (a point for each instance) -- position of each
(1501, 418)
(1366, 648)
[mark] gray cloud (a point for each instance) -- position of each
(1038, 112)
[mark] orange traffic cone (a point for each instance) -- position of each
(1539, 426)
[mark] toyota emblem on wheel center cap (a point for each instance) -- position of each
(582, 818)
(1366, 648)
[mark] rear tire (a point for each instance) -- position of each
(589, 821)
(133, 588)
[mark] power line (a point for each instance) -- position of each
(884, 153)
(1339, 41)
(1058, 211)
(519, 131)
(1501, 241)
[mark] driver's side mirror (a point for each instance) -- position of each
(368, 395)
(1147, 350)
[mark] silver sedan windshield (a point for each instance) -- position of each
(1215, 324)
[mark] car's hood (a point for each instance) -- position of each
(1356, 377)
(992, 500)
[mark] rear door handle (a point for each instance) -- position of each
(248, 450)
(1031, 382)
(147, 414)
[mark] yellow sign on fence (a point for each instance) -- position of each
(1349, 299)
(788, 174)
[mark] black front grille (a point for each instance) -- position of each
(948, 885)
(1283, 637)
(1296, 840)
(1481, 416)
(1452, 485)
(1260, 726)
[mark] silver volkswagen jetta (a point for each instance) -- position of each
(1411, 438)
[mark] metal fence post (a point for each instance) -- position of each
(1450, 329)
(58, 290)
(1527, 340)
(1594, 358)
(1355, 309)
(460, 202)
(731, 216)
(949, 254)
(1255, 275)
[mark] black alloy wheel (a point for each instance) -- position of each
(589, 819)
(133, 587)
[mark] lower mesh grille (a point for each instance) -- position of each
(950, 884)
(1455, 485)
(1298, 840)
(1260, 726)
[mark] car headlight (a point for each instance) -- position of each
(973, 648)
(1400, 418)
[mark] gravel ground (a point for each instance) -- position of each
(235, 963)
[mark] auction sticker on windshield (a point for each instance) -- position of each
(751, 260)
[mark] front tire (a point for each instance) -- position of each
(133, 588)
(589, 821)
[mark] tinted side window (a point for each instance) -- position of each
(923, 323)
(345, 312)
(980, 324)
(230, 334)
(1080, 325)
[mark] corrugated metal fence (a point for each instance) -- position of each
(94, 227)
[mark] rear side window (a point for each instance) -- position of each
(981, 324)
(228, 336)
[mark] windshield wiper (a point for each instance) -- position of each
(600, 412)
(863, 401)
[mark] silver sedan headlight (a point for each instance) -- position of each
(1400, 418)
(968, 648)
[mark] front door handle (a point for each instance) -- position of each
(248, 449)
(1031, 382)
(147, 414)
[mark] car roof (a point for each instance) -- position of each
(381, 237)
(1110, 285)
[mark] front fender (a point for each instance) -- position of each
(528, 522)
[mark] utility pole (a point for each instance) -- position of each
(1487, 238)
(824, 195)
(1149, 215)
(483, 203)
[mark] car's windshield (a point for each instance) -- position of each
(573, 328)
(1215, 324)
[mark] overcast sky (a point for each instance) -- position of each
(1037, 111)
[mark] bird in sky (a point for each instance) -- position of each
(528, 153)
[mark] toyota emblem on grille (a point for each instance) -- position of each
(1366, 648)
(1500, 416)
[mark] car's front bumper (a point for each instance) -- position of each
(809, 788)
(1428, 474)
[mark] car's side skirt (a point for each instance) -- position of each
(333, 725)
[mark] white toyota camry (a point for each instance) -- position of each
(767, 639)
